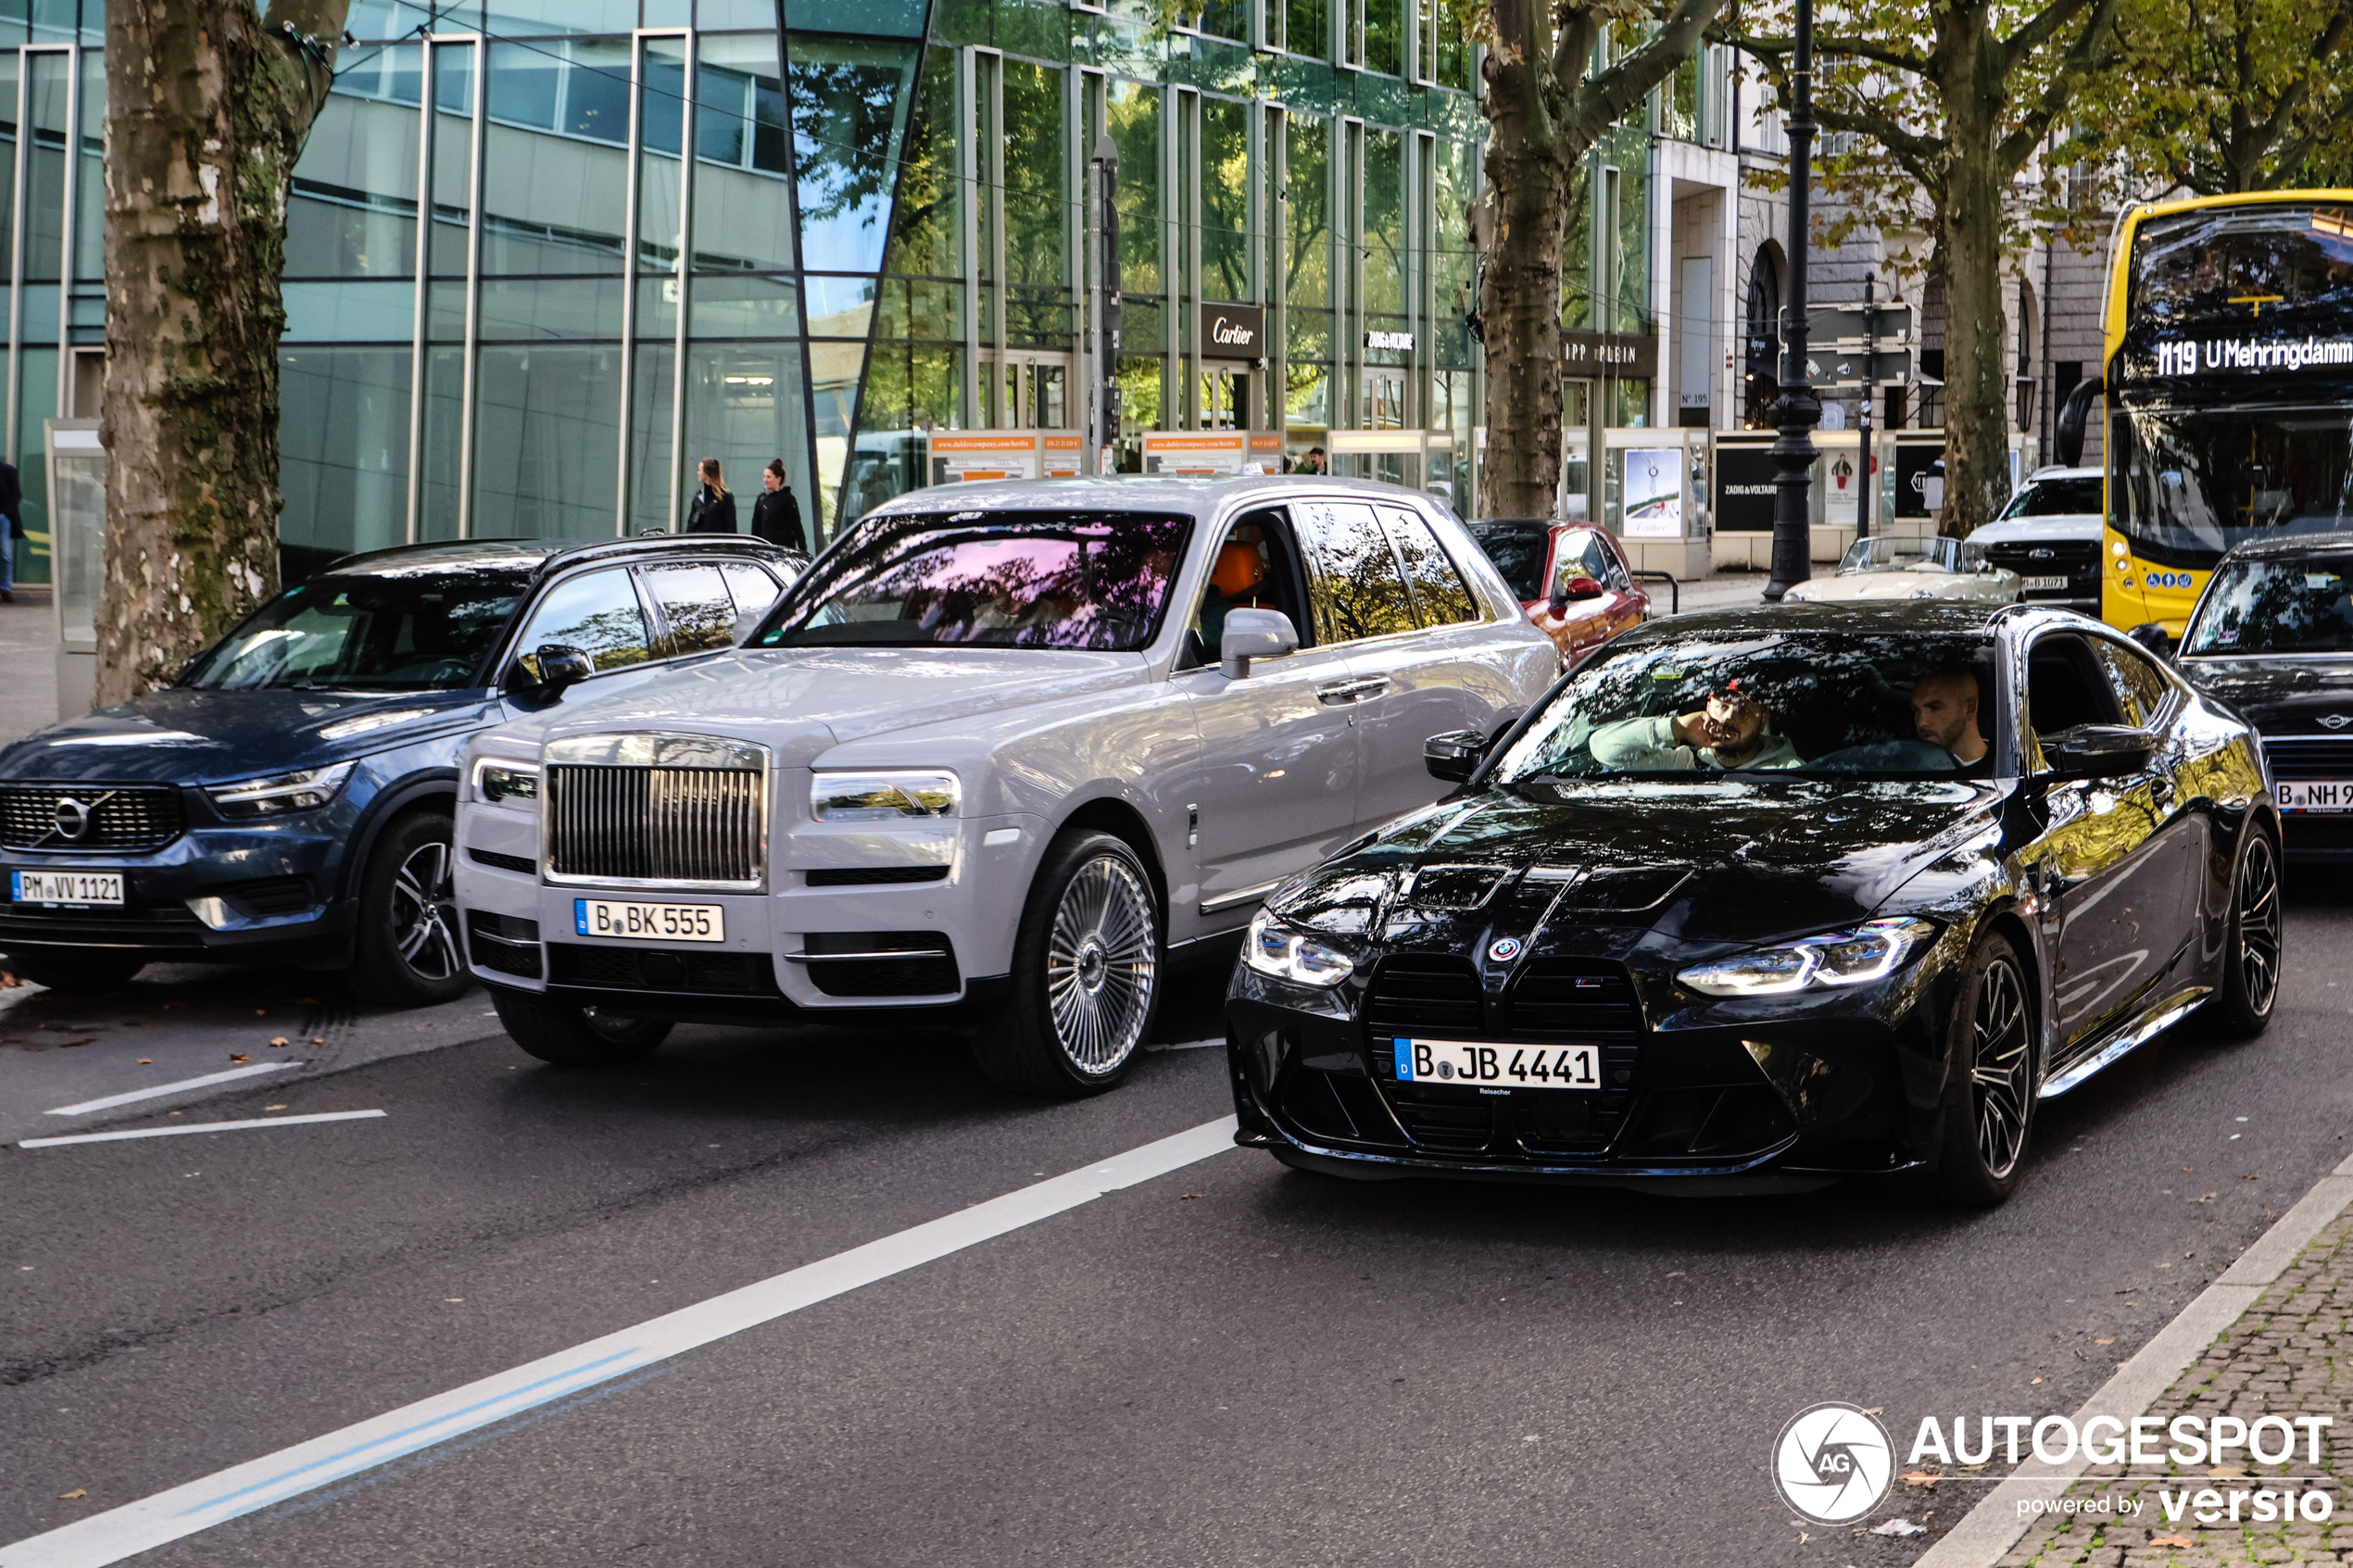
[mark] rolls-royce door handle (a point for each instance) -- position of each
(1340, 693)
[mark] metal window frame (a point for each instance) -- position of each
(683, 270)
(17, 238)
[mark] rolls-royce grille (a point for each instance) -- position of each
(618, 823)
(93, 816)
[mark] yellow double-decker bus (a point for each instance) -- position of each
(2228, 384)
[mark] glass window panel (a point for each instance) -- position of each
(1134, 113)
(445, 422)
(1036, 194)
(1384, 222)
(90, 199)
(834, 373)
(696, 602)
(850, 99)
(657, 308)
(452, 158)
(530, 18)
(1452, 261)
(53, 21)
(649, 439)
(911, 387)
(546, 425)
(714, 14)
(597, 93)
(1356, 590)
(8, 69)
(1384, 36)
(343, 445)
(743, 307)
(554, 203)
(552, 308)
(351, 313)
(744, 406)
(743, 214)
(354, 207)
(839, 307)
(1306, 27)
(668, 13)
(1225, 199)
(36, 401)
(749, 587)
(1307, 259)
(663, 111)
(1437, 586)
(396, 18)
(598, 613)
(45, 171)
(925, 222)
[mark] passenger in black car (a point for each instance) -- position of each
(1945, 710)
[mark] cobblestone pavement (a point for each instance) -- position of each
(2280, 1359)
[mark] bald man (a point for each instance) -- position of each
(1945, 713)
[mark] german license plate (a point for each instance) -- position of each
(2045, 584)
(1516, 1066)
(2314, 794)
(657, 922)
(66, 887)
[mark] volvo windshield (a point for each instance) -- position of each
(1097, 580)
(1804, 704)
(386, 630)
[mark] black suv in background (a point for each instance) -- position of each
(289, 797)
(2272, 637)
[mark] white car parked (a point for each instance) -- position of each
(2050, 535)
(1007, 751)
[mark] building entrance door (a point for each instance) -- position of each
(1227, 394)
(1027, 390)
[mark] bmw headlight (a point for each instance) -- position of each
(1274, 949)
(881, 796)
(1872, 950)
(507, 784)
(281, 794)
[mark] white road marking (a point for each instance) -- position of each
(199, 1127)
(1187, 1045)
(199, 1505)
(110, 1101)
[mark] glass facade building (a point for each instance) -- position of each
(542, 255)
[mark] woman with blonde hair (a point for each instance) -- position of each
(713, 509)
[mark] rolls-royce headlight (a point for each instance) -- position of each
(1870, 951)
(1276, 949)
(881, 796)
(280, 794)
(507, 784)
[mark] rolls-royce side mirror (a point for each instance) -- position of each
(747, 623)
(1254, 633)
(562, 666)
(2153, 637)
(1455, 756)
(2097, 751)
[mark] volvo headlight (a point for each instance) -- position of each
(1871, 951)
(881, 796)
(507, 784)
(1276, 949)
(280, 794)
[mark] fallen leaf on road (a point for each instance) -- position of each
(236, 1056)
(69, 1044)
(175, 1004)
(1920, 1478)
(453, 1299)
(2171, 1540)
(1876, 1410)
(1190, 1196)
(146, 1061)
(2103, 1341)
(2208, 1199)
(2228, 1472)
(262, 1012)
(318, 1039)
(9, 982)
(307, 1001)
(2032, 1380)
(274, 1108)
(1898, 1528)
(281, 1040)
(77, 1492)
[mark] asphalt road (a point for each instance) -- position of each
(1231, 1364)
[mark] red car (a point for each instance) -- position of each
(1571, 577)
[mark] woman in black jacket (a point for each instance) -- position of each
(776, 515)
(713, 509)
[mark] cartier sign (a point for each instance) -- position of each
(1233, 331)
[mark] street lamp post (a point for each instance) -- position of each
(1797, 410)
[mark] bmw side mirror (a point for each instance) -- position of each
(1254, 633)
(561, 666)
(2097, 751)
(2153, 637)
(1455, 756)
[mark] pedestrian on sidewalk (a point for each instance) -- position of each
(775, 517)
(713, 509)
(11, 507)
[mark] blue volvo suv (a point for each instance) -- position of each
(289, 798)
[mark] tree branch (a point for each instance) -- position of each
(1606, 99)
(2038, 31)
(1887, 55)
(2018, 146)
(1915, 154)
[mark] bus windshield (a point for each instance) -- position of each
(2193, 482)
(2244, 265)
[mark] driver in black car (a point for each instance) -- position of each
(1944, 705)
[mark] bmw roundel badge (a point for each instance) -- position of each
(1503, 949)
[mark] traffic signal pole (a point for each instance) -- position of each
(1797, 410)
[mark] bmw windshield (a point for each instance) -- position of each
(430, 629)
(1802, 704)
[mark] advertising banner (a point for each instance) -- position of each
(960, 457)
(1653, 492)
(1211, 453)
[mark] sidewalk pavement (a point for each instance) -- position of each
(2290, 1354)
(1724, 590)
(29, 654)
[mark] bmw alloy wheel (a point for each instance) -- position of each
(2258, 923)
(2001, 1055)
(421, 913)
(1099, 965)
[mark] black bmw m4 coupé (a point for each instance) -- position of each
(1759, 899)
